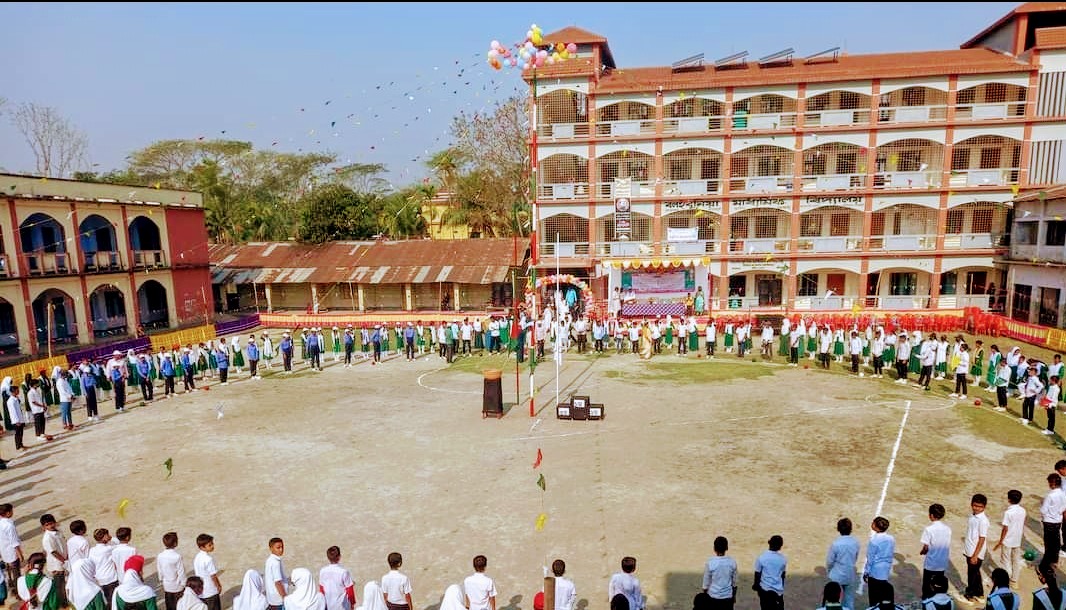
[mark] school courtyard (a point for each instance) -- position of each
(397, 457)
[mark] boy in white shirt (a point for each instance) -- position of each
(1010, 537)
(936, 546)
(336, 582)
(56, 550)
(106, 572)
(123, 550)
(975, 546)
(204, 567)
(720, 575)
(626, 584)
(395, 586)
(770, 573)
(77, 544)
(1051, 402)
(274, 579)
(171, 569)
(479, 589)
(565, 592)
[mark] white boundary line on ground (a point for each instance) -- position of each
(892, 460)
(433, 389)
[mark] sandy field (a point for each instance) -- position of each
(397, 457)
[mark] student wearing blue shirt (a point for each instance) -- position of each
(167, 369)
(349, 346)
(144, 368)
(769, 571)
(88, 387)
(409, 341)
(188, 369)
(840, 562)
(286, 349)
(223, 365)
(253, 358)
(880, 552)
(314, 350)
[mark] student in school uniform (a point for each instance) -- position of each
(711, 336)
(941, 357)
(336, 582)
(877, 350)
(1050, 402)
(903, 355)
(171, 569)
(729, 336)
(825, 342)
(770, 572)
(838, 345)
(1002, 383)
(994, 358)
(855, 351)
(962, 370)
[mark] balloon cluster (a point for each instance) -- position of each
(530, 53)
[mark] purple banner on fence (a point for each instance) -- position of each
(102, 352)
(236, 326)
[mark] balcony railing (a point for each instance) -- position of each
(829, 244)
(907, 180)
(563, 131)
(699, 248)
(149, 258)
(834, 118)
(102, 261)
(113, 326)
(997, 110)
(633, 127)
(984, 177)
(912, 114)
(564, 249)
(623, 248)
(972, 241)
(760, 184)
(560, 191)
(47, 263)
(749, 302)
(834, 182)
(1051, 254)
(610, 190)
(758, 245)
(898, 302)
(903, 242)
(824, 303)
(779, 120)
(960, 301)
(699, 124)
(710, 186)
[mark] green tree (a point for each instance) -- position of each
(336, 212)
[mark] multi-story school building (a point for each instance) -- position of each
(796, 180)
(83, 262)
(1036, 264)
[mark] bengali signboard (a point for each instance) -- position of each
(623, 219)
(685, 234)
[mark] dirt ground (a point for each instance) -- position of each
(397, 457)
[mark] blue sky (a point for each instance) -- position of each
(393, 74)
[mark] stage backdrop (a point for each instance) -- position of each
(656, 281)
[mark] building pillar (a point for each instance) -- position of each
(362, 303)
(314, 298)
(455, 296)
(408, 297)
(270, 303)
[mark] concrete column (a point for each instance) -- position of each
(362, 306)
(455, 297)
(408, 297)
(270, 304)
(314, 298)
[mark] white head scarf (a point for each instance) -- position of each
(190, 601)
(56, 370)
(252, 595)
(453, 599)
(83, 587)
(6, 385)
(372, 597)
(133, 589)
(305, 595)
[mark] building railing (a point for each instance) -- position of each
(563, 131)
(111, 326)
(631, 127)
(962, 301)
(1000, 176)
(102, 261)
(758, 245)
(697, 124)
(777, 120)
(907, 180)
(47, 263)
(898, 302)
(611, 190)
(1051, 254)
(698, 248)
(971, 241)
(849, 243)
(710, 186)
(749, 303)
(903, 242)
(761, 184)
(912, 114)
(823, 303)
(837, 117)
(149, 258)
(833, 182)
(562, 191)
(564, 249)
(996, 110)
(623, 248)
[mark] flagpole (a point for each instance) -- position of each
(558, 321)
(534, 219)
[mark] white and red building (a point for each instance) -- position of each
(800, 181)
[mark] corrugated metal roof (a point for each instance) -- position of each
(466, 261)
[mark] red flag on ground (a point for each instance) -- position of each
(540, 456)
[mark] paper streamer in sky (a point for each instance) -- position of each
(122, 507)
(541, 520)
(540, 457)
(541, 483)
(169, 466)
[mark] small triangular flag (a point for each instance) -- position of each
(541, 519)
(170, 466)
(122, 507)
(540, 456)
(541, 484)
